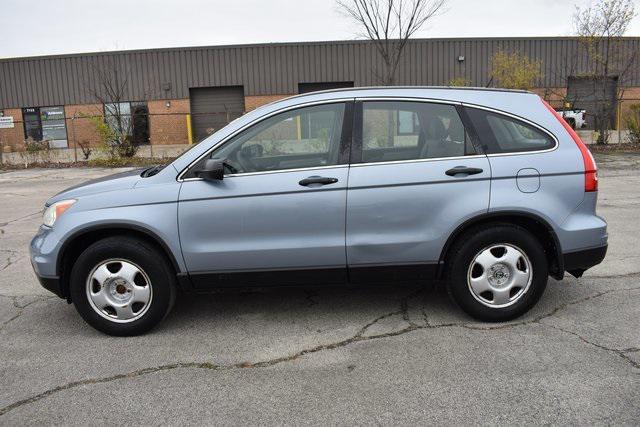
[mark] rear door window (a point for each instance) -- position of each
(405, 130)
(503, 134)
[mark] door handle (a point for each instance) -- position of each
(322, 180)
(459, 170)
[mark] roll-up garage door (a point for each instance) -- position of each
(213, 107)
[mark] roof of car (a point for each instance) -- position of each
(369, 88)
(453, 93)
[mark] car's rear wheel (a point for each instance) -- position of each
(122, 286)
(497, 273)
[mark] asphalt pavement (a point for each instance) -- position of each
(340, 355)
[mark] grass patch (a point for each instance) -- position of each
(116, 162)
(625, 147)
(121, 162)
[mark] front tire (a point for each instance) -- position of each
(497, 273)
(122, 286)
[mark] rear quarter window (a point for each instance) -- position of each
(503, 134)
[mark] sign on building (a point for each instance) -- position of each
(6, 122)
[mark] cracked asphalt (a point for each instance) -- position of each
(379, 355)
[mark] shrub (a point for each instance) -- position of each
(115, 143)
(459, 82)
(86, 149)
(36, 151)
(633, 124)
(121, 162)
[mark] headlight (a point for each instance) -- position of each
(53, 212)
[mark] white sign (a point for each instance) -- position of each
(6, 122)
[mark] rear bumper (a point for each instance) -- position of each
(578, 262)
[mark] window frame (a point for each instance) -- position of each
(344, 144)
(357, 143)
(485, 146)
(39, 121)
(131, 115)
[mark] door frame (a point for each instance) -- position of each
(393, 272)
(331, 275)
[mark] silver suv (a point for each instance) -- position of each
(488, 190)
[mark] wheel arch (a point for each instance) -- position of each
(82, 239)
(535, 224)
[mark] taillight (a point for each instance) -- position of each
(590, 169)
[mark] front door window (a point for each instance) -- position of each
(302, 138)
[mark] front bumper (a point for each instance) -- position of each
(580, 261)
(52, 284)
(43, 252)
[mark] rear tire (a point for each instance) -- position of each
(496, 273)
(122, 286)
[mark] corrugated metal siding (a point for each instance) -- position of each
(278, 68)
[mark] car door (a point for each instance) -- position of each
(415, 176)
(278, 216)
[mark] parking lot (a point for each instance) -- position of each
(383, 355)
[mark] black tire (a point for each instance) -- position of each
(473, 242)
(152, 262)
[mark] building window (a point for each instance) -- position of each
(46, 124)
(130, 119)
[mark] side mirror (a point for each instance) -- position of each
(212, 170)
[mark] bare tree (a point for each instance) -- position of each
(600, 28)
(110, 87)
(390, 24)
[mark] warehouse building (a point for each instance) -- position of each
(181, 95)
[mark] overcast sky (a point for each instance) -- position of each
(46, 27)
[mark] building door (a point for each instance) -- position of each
(32, 124)
(140, 123)
(212, 108)
(599, 98)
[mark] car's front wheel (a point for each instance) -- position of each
(122, 286)
(497, 273)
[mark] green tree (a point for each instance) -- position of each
(514, 71)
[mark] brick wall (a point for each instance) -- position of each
(255, 101)
(80, 128)
(168, 125)
(630, 96)
(12, 139)
(553, 95)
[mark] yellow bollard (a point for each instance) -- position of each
(189, 130)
